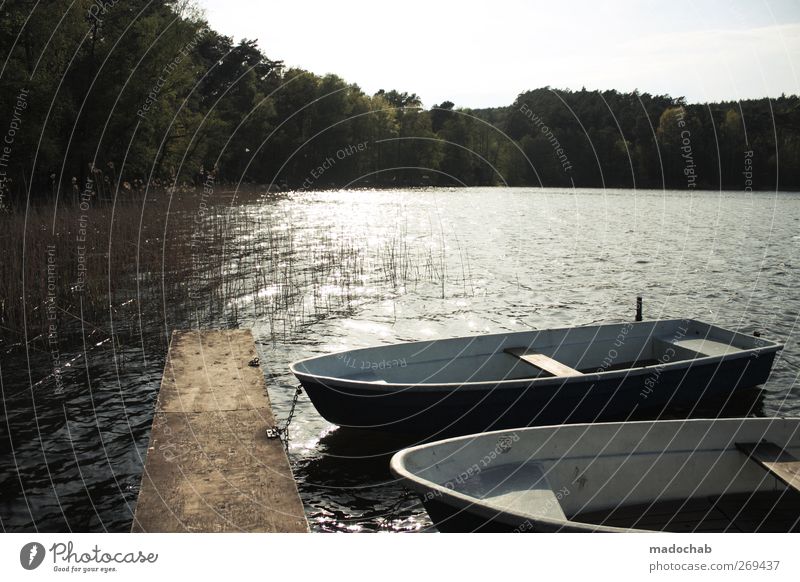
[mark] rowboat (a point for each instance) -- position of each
(722, 475)
(569, 375)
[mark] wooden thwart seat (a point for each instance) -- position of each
(775, 460)
(706, 347)
(543, 362)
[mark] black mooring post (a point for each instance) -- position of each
(639, 308)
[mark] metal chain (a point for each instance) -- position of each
(278, 432)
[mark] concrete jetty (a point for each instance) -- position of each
(210, 466)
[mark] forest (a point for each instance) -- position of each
(105, 98)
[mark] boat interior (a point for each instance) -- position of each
(737, 480)
(759, 512)
(535, 354)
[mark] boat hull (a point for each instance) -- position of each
(449, 519)
(582, 374)
(447, 410)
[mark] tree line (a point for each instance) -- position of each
(106, 98)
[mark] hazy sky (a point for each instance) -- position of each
(480, 54)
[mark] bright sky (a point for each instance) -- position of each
(484, 53)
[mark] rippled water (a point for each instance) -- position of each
(431, 263)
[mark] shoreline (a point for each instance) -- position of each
(250, 192)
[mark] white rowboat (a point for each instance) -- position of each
(738, 474)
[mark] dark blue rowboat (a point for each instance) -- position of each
(581, 374)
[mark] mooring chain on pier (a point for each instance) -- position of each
(282, 432)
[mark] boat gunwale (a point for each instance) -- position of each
(372, 386)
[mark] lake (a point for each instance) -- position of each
(316, 272)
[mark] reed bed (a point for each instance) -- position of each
(66, 265)
(178, 259)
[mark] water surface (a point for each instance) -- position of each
(313, 273)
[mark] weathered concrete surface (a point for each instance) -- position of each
(210, 466)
